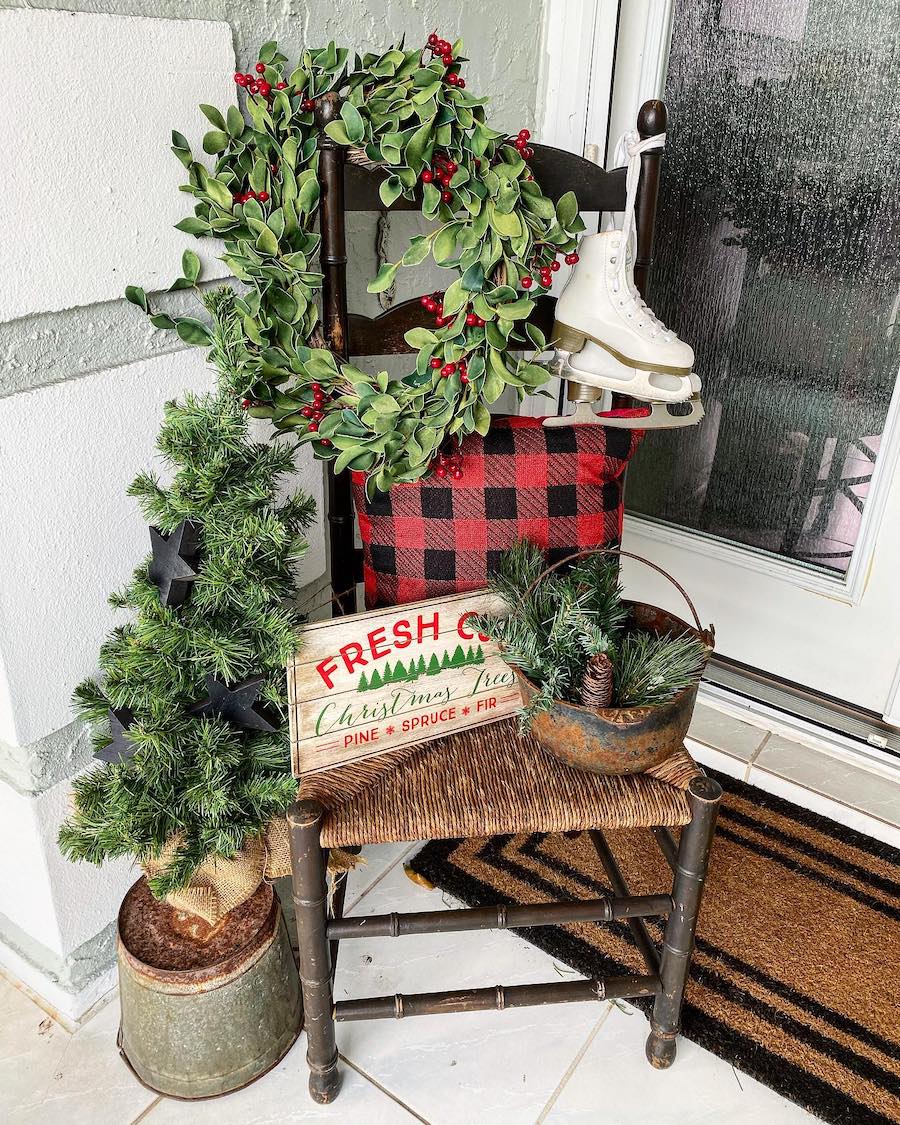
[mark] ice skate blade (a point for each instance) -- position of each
(659, 418)
(638, 384)
(570, 339)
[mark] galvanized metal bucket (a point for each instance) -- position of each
(616, 740)
(205, 1013)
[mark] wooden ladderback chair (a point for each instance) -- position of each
(488, 780)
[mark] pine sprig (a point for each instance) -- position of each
(199, 779)
(558, 626)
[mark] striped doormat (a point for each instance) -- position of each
(796, 974)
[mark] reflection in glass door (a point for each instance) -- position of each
(777, 258)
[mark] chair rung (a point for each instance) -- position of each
(494, 999)
(500, 917)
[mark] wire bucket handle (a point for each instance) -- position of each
(708, 635)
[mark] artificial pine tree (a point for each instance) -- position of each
(193, 695)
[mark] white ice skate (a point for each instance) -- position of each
(607, 337)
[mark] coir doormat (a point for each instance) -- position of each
(796, 974)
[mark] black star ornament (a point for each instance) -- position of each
(238, 704)
(174, 556)
(121, 749)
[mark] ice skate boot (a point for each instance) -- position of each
(601, 306)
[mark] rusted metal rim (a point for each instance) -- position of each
(220, 971)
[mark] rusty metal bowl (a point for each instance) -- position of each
(616, 740)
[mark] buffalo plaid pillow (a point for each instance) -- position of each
(559, 487)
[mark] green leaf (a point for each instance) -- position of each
(267, 242)
(473, 279)
(418, 145)
(417, 251)
(213, 116)
(162, 320)
(193, 331)
(216, 140)
(137, 296)
(192, 226)
(354, 125)
(234, 121)
(566, 209)
(384, 279)
(445, 243)
(482, 419)
(390, 190)
(308, 195)
(494, 385)
(190, 265)
(515, 310)
(219, 193)
(420, 337)
(337, 130)
(509, 226)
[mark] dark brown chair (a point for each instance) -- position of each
(486, 781)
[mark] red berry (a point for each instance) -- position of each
(435, 362)
(306, 412)
(527, 153)
(432, 39)
(471, 320)
(527, 282)
(281, 85)
(326, 443)
(260, 68)
(546, 282)
(314, 427)
(263, 196)
(432, 306)
(452, 166)
(461, 84)
(554, 265)
(264, 88)
(520, 144)
(427, 176)
(423, 301)
(446, 196)
(440, 321)
(245, 402)
(464, 378)
(453, 79)
(307, 105)
(315, 387)
(440, 471)
(457, 473)
(524, 135)
(571, 259)
(448, 369)
(240, 79)
(253, 87)
(447, 58)
(249, 78)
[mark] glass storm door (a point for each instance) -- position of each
(777, 250)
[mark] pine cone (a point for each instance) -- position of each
(597, 684)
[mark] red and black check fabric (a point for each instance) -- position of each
(560, 487)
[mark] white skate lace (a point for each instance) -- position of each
(628, 152)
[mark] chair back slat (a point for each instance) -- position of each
(383, 335)
(555, 170)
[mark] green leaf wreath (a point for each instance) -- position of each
(410, 111)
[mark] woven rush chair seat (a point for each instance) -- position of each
(490, 781)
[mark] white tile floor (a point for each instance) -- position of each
(572, 1063)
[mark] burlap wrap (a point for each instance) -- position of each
(220, 885)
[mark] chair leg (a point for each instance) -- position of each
(704, 795)
(311, 907)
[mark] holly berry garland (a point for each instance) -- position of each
(410, 111)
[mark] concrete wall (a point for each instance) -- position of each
(90, 197)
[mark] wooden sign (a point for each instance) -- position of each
(371, 682)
